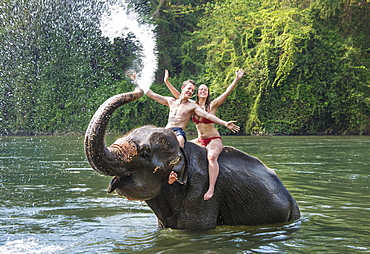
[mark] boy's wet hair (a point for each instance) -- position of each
(187, 82)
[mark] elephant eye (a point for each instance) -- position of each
(144, 151)
(126, 175)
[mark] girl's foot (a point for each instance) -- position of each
(209, 194)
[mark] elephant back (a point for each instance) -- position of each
(249, 192)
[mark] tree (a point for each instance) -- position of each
(300, 68)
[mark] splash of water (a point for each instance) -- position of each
(118, 21)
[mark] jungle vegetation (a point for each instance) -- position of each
(306, 61)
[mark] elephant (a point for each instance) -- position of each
(247, 192)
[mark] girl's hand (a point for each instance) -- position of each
(239, 73)
(230, 125)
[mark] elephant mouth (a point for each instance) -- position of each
(117, 184)
(114, 184)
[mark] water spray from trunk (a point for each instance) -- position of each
(118, 21)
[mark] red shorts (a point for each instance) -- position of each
(206, 141)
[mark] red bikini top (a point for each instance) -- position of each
(201, 120)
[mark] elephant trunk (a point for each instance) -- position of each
(98, 155)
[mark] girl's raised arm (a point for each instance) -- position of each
(222, 98)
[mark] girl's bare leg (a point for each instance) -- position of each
(214, 149)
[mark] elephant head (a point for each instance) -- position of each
(140, 161)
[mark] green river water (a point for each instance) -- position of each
(53, 202)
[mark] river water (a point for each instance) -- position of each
(52, 202)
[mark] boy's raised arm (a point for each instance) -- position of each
(173, 90)
(157, 97)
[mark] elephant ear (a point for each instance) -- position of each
(168, 147)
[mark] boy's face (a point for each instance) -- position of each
(188, 90)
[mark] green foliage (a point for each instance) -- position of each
(57, 68)
(175, 21)
(305, 76)
(306, 62)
